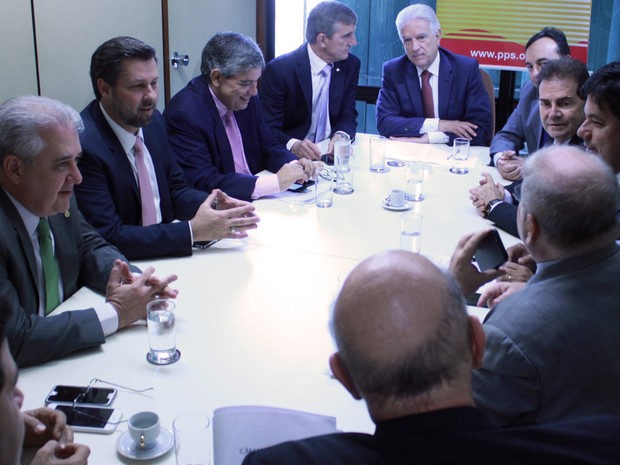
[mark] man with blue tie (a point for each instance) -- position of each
(308, 95)
(47, 250)
(429, 94)
(134, 191)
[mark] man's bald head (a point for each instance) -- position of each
(401, 328)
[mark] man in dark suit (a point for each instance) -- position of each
(406, 346)
(561, 113)
(524, 126)
(552, 343)
(431, 95)
(39, 268)
(133, 189)
(291, 85)
(215, 125)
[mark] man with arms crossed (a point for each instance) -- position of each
(47, 250)
(42, 427)
(551, 348)
(134, 190)
(431, 95)
(524, 125)
(308, 95)
(406, 346)
(215, 125)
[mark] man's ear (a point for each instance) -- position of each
(13, 168)
(320, 39)
(532, 230)
(103, 87)
(341, 373)
(477, 341)
(216, 77)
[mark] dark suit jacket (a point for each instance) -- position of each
(551, 349)
(523, 126)
(286, 95)
(109, 197)
(504, 215)
(85, 259)
(198, 136)
(454, 436)
(461, 97)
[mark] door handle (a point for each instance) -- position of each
(177, 60)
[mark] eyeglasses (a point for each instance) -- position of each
(84, 396)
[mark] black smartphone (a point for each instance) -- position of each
(301, 187)
(491, 253)
(61, 394)
(328, 159)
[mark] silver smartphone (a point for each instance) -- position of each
(101, 420)
(95, 396)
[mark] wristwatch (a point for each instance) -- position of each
(491, 204)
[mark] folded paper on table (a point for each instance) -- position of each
(239, 430)
(411, 151)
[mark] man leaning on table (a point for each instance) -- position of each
(216, 128)
(524, 126)
(308, 95)
(44, 428)
(552, 344)
(47, 250)
(561, 113)
(431, 95)
(406, 346)
(134, 191)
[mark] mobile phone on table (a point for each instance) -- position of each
(68, 395)
(102, 420)
(299, 188)
(491, 253)
(328, 158)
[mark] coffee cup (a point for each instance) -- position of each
(396, 198)
(144, 429)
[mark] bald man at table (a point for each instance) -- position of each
(407, 347)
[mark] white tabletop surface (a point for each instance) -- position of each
(252, 315)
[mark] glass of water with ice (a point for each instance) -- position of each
(160, 319)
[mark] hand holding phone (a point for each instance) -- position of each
(299, 188)
(491, 253)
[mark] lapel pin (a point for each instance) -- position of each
(67, 214)
(337, 70)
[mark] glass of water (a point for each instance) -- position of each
(160, 319)
(415, 181)
(411, 232)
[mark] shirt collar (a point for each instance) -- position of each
(316, 64)
(126, 138)
(221, 108)
(433, 68)
(31, 221)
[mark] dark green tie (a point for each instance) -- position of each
(50, 267)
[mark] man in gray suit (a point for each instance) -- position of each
(47, 250)
(524, 126)
(552, 343)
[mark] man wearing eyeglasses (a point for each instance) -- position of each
(216, 128)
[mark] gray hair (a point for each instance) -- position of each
(22, 119)
(324, 17)
(232, 53)
(443, 357)
(417, 11)
(570, 210)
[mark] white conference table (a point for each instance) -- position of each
(252, 314)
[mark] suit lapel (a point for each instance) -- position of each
(413, 86)
(445, 84)
(304, 76)
(117, 154)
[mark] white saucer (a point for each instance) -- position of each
(406, 206)
(126, 446)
